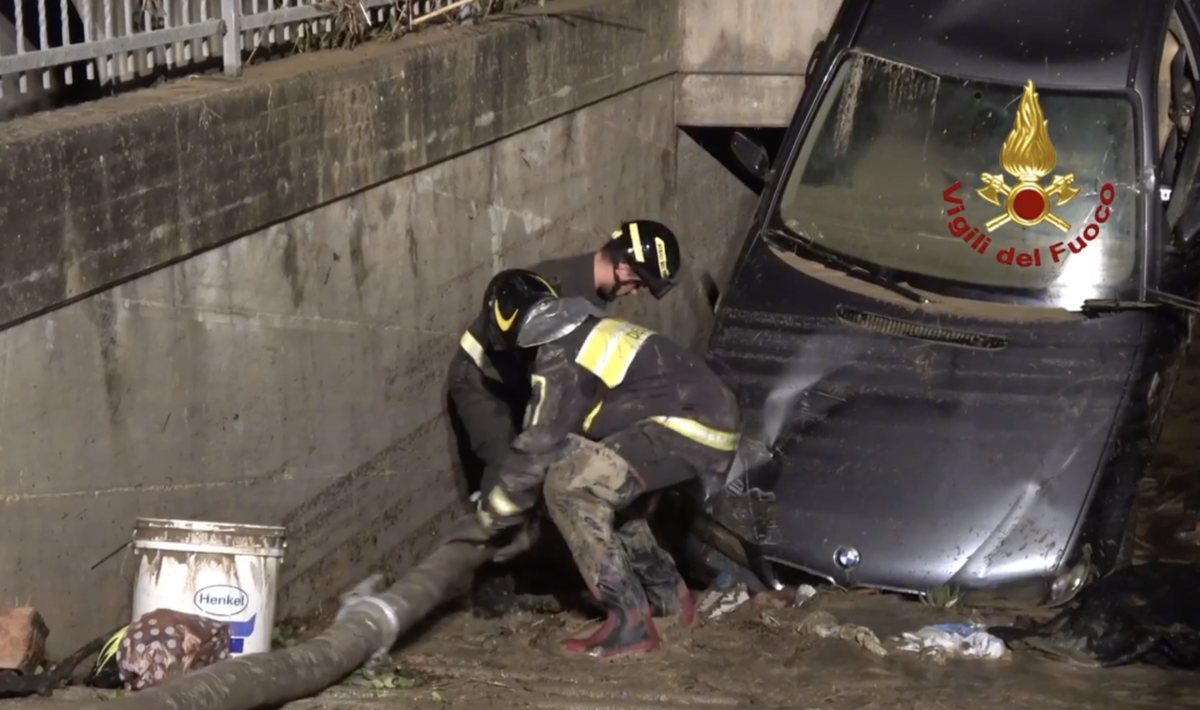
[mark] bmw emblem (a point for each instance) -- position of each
(846, 557)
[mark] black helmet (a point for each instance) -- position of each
(510, 295)
(651, 250)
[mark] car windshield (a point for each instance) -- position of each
(914, 173)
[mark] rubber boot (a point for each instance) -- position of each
(676, 600)
(665, 588)
(628, 630)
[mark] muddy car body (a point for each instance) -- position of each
(940, 395)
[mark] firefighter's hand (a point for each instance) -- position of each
(496, 514)
(471, 529)
(501, 509)
(510, 541)
(521, 539)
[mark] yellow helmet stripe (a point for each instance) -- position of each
(635, 236)
(553, 290)
(660, 249)
(504, 323)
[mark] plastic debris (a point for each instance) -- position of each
(942, 641)
(824, 625)
(805, 592)
(719, 602)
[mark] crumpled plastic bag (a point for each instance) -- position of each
(164, 644)
(723, 600)
(942, 641)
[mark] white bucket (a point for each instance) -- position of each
(223, 571)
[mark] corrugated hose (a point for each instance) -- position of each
(368, 623)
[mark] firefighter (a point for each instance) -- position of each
(489, 388)
(617, 413)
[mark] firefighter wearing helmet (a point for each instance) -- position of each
(489, 384)
(617, 414)
(642, 253)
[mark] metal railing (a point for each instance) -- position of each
(113, 41)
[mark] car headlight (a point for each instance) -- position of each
(1065, 586)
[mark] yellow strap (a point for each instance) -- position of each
(538, 384)
(610, 348)
(587, 422)
(110, 648)
(473, 349)
(701, 433)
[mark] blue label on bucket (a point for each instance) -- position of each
(239, 631)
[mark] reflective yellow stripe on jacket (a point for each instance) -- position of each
(610, 348)
(533, 411)
(701, 433)
(473, 349)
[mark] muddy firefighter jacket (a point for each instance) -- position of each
(490, 388)
(602, 378)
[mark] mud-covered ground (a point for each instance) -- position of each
(761, 656)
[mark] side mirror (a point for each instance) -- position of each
(813, 60)
(712, 292)
(751, 155)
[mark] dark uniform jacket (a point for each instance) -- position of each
(608, 375)
(488, 388)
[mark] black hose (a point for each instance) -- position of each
(367, 624)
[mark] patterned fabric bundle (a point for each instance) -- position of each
(165, 644)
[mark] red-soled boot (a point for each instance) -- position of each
(628, 629)
(673, 600)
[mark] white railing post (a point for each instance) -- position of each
(231, 13)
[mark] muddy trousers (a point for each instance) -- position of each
(600, 502)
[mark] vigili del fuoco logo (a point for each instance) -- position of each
(1028, 157)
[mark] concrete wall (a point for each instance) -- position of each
(102, 192)
(295, 375)
(742, 61)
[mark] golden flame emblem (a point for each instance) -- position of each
(1028, 155)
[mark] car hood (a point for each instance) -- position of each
(934, 463)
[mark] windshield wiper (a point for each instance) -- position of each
(1100, 306)
(805, 244)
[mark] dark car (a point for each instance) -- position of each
(959, 315)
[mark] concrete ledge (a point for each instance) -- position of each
(103, 192)
(756, 100)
